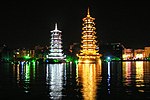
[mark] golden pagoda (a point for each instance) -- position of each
(89, 49)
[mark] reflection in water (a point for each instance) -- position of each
(111, 80)
(134, 75)
(146, 71)
(127, 72)
(108, 78)
(133, 70)
(23, 74)
(26, 75)
(54, 79)
(87, 74)
(139, 73)
(113, 74)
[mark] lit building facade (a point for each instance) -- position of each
(147, 51)
(89, 49)
(139, 54)
(128, 54)
(56, 51)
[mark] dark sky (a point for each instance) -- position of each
(27, 24)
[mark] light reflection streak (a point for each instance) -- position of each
(146, 71)
(18, 73)
(87, 74)
(54, 79)
(108, 77)
(23, 74)
(27, 73)
(127, 72)
(139, 73)
(133, 74)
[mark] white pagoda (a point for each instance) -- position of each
(56, 52)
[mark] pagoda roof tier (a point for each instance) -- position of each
(88, 18)
(87, 31)
(89, 58)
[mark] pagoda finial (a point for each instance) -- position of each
(55, 26)
(56, 29)
(88, 12)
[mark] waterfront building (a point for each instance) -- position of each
(136, 54)
(139, 54)
(56, 48)
(128, 54)
(147, 51)
(89, 48)
(112, 50)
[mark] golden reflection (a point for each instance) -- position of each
(16, 72)
(88, 74)
(139, 73)
(133, 72)
(146, 71)
(127, 72)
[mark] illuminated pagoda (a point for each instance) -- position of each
(56, 53)
(89, 49)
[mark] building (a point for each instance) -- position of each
(56, 48)
(112, 50)
(139, 54)
(147, 51)
(127, 54)
(136, 54)
(89, 48)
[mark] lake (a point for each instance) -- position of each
(104, 80)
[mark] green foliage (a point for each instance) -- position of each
(71, 59)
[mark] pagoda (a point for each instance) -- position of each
(56, 52)
(89, 49)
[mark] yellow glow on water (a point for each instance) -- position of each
(87, 74)
(134, 70)
(18, 74)
(139, 73)
(127, 72)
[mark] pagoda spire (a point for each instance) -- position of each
(88, 12)
(56, 29)
(56, 26)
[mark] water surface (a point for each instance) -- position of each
(101, 81)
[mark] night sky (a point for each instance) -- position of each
(27, 24)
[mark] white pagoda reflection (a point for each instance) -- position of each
(54, 80)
